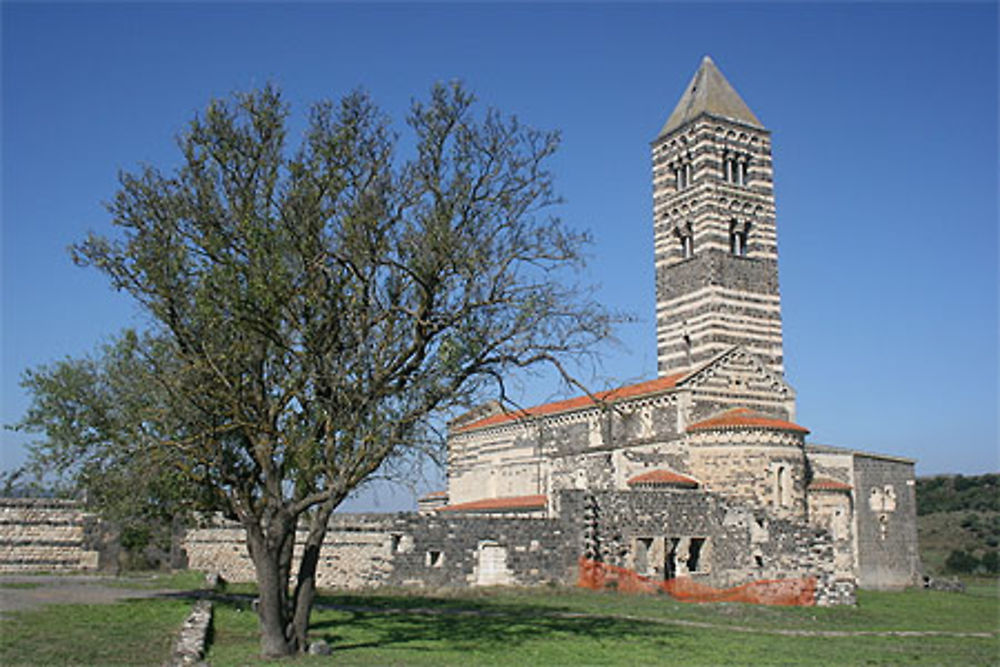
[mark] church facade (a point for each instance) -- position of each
(702, 473)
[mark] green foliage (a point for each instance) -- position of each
(317, 312)
(100, 420)
(960, 561)
(959, 523)
(991, 562)
(954, 493)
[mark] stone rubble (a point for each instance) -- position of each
(190, 646)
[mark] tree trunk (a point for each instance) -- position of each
(305, 587)
(272, 586)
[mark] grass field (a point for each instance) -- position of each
(536, 626)
(132, 632)
(562, 626)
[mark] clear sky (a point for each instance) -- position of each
(884, 121)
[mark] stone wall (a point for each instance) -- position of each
(657, 533)
(670, 533)
(43, 534)
(368, 550)
(886, 522)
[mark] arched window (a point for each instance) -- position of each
(782, 487)
(682, 171)
(734, 168)
(738, 232)
(685, 236)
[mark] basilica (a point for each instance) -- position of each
(720, 418)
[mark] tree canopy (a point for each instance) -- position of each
(313, 310)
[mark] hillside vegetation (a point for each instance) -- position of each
(958, 520)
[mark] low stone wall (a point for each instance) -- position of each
(406, 549)
(46, 534)
(658, 534)
(349, 559)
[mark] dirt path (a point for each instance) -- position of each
(23, 592)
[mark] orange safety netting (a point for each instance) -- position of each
(796, 592)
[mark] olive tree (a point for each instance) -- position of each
(316, 310)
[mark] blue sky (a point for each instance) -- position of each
(884, 121)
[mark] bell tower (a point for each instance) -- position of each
(714, 229)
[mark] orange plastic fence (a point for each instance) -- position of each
(794, 592)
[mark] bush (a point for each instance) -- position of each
(961, 561)
(991, 562)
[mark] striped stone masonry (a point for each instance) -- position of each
(715, 244)
(43, 534)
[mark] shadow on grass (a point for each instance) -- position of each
(487, 625)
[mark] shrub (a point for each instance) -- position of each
(961, 561)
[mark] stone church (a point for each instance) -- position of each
(702, 472)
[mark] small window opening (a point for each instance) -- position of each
(670, 558)
(738, 233)
(758, 560)
(687, 246)
(734, 169)
(397, 539)
(738, 244)
(694, 553)
(684, 232)
(838, 527)
(682, 175)
(782, 487)
(435, 558)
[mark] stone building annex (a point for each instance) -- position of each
(701, 474)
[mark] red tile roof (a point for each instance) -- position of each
(663, 477)
(435, 495)
(740, 418)
(827, 484)
(513, 503)
(630, 391)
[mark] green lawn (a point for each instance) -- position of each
(537, 626)
(531, 626)
(131, 632)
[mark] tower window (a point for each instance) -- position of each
(685, 235)
(682, 174)
(687, 246)
(734, 168)
(738, 232)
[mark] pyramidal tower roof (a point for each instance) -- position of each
(709, 92)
